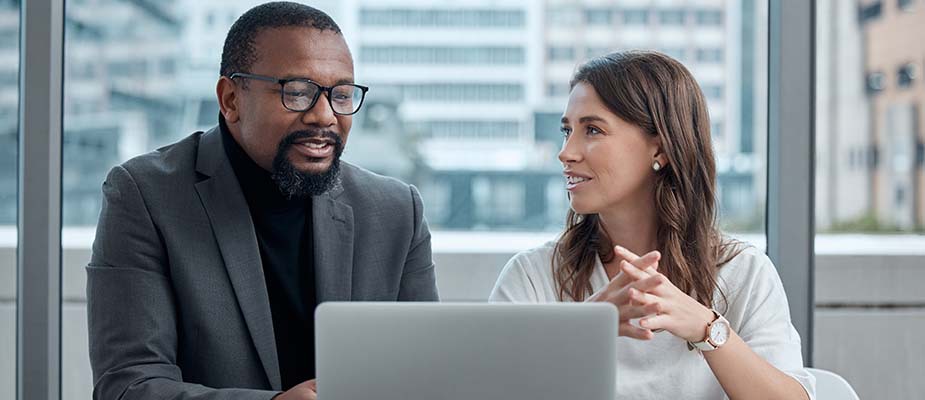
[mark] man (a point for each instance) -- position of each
(212, 253)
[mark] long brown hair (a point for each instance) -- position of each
(658, 94)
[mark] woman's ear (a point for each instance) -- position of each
(227, 94)
(659, 155)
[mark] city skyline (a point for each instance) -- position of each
(475, 102)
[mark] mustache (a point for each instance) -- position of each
(291, 138)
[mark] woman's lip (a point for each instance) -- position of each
(574, 186)
(308, 151)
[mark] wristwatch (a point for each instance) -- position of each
(716, 335)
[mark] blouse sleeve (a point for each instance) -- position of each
(514, 285)
(765, 325)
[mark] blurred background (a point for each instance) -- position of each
(464, 103)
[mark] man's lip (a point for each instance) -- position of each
(322, 153)
(314, 140)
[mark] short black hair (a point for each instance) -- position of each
(239, 53)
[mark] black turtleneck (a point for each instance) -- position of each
(284, 235)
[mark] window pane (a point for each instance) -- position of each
(123, 97)
(9, 149)
(870, 194)
(473, 123)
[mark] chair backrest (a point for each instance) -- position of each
(831, 386)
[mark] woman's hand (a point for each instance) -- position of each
(676, 312)
(626, 290)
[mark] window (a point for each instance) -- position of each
(709, 17)
(555, 89)
(429, 55)
(473, 123)
(560, 54)
(9, 149)
(451, 129)
(678, 53)
(635, 17)
(430, 18)
(906, 75)
(563, 16)
(870, 11)
(599, 16)
(905, 5)
(875, 82)
(713, 92)
(671, 17)
(462, 92)
(869, 218)
(710, 55)
(595, 51)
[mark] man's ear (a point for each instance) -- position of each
(227, 93)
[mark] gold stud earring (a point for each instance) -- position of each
(656, 166)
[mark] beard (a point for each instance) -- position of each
(295, 184)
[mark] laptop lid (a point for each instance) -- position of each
(455, 351)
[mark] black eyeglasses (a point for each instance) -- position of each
(300, 94)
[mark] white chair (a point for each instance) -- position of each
(831, 386)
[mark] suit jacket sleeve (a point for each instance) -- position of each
(131, 310)
(418, 282)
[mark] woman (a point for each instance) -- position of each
(702, 316)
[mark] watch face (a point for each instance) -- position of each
(719, 332)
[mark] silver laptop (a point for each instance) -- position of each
(447, 351)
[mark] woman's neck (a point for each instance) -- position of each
(632, 226)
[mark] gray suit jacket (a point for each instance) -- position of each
(177, 303)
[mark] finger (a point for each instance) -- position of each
(650, 284)
(648, 260)
(632, 271)
(634, 296)
(625, 253)
(633, 312)
(640, 304)
(660, 322)
(641, 262)
(622, 279)
(639, 298)
(635, 272)
(313, 385)
(628, 330)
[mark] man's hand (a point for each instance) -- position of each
(307, 390)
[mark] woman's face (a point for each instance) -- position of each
(607, 161)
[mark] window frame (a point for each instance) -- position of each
(790, 220)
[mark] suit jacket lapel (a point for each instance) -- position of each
(333, 241)
(226, 206)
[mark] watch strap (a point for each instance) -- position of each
(705, 345)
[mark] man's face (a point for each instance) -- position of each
(292, 145)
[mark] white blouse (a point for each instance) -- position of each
(663, 367)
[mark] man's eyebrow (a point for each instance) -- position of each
(338, 82)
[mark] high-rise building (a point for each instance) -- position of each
(468, 77)
(475, 90)
(894, 58)
(719, 41)
(9, 108)
(843, 139)
(120, 91)
(870, 108)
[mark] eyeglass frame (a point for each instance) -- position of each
(321, 89)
